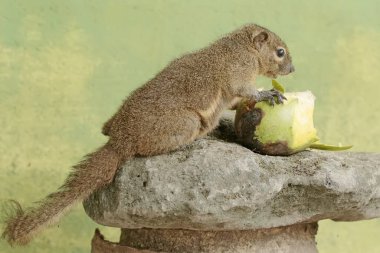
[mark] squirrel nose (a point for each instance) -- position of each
(291, 69)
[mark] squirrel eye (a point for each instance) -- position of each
(280, 52)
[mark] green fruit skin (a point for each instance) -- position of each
(281, 129)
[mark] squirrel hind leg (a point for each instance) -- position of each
(173, 131)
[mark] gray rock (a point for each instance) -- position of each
(299, 238)
(291, 239)
(217, 185)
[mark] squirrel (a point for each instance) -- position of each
(181, 103)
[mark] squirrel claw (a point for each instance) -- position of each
(271, 96)
(280, 97)
(272, 101)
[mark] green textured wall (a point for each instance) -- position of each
(65, 67)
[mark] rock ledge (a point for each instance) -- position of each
(215, 185)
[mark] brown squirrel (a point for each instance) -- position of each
(181, 103)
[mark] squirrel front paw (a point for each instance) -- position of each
(272, 96)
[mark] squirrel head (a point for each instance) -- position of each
(272, 54)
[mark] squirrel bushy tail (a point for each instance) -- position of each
(95, 171)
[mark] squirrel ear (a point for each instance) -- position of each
(260, 39)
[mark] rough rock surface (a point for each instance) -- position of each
(216, 185)
(291, 239)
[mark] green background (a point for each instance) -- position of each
(66, 66)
